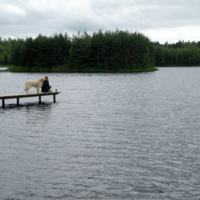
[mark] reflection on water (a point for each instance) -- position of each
(109, 136)
(29, 106)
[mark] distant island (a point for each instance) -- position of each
(106, 52)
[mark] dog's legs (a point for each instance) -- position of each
(37, 90)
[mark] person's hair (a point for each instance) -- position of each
(46, 77)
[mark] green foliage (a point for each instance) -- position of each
(178, 54)
(42, 52)
(110, 51)
(79, 53)
(5, 51)
(121, 50)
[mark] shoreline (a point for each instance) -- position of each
(87, 70)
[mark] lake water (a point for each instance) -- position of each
(3, 68)
(109, 136)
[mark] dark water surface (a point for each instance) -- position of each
(109, 136)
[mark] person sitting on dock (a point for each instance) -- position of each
(46, 87)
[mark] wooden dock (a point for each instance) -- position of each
(24, 95)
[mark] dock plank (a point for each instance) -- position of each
(25, 95)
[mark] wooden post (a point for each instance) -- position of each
(17, 101)
(3, 103)
(39, 99)
(54, 98)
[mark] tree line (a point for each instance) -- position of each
(101, 51)
(6, 47)
(177, 54)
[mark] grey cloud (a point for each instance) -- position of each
(32, 17)
(11, 14)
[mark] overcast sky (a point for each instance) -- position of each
(160, 20)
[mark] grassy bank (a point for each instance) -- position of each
(65, 70)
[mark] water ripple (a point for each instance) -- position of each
(109, 136)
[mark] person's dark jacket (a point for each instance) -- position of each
(45, 86)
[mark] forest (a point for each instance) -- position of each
(116, 51)
(110, 51)
(178, 54)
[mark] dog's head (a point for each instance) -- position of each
(41, 79)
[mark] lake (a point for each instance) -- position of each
(108, 136)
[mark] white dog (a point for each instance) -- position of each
(37, 84)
